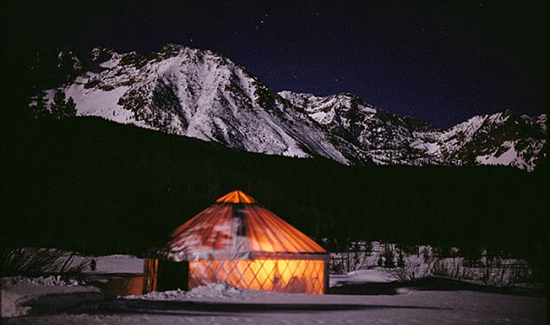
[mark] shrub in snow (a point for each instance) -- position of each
(93, 265)
(498, 272)
(336, 266)
(495, 271)
(452, 268)
(426, 254)
(409, 268)
(410, 263)
(33, 261)
(472, 255)
(356, 256)
(50, 281)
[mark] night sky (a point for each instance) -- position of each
(441, 61)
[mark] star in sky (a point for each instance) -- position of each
(392, 56)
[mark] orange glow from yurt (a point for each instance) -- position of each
(236, 197)
(306, 276)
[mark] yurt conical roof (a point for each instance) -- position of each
(236, 227)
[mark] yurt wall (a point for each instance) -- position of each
(284, 275)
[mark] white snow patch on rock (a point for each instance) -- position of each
(506, 158)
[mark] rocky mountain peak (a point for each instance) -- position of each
(202, 94)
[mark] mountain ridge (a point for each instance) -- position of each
(202, 94)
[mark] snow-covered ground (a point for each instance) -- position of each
(118, 264)
(360, 297)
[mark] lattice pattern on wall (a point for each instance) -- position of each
(307, 276)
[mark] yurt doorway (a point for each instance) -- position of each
(172, 275)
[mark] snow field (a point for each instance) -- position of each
(367, 295)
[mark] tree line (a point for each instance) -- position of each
(91, 185)
(60, 108)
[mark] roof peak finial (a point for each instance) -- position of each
(236, 197)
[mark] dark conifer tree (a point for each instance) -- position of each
(400, 260)
(69, 108)
(388, 259)
(62, 108)
(40, 109)
(58, 105)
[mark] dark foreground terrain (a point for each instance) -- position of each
(94, 186)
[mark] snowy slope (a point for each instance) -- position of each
(204, 95)
(496, 139)
(198, 94)
(385, 138)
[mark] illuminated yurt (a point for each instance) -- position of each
(241, 243)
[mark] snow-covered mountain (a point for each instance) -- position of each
(497, 139)
(385, 138)
(204, 95)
